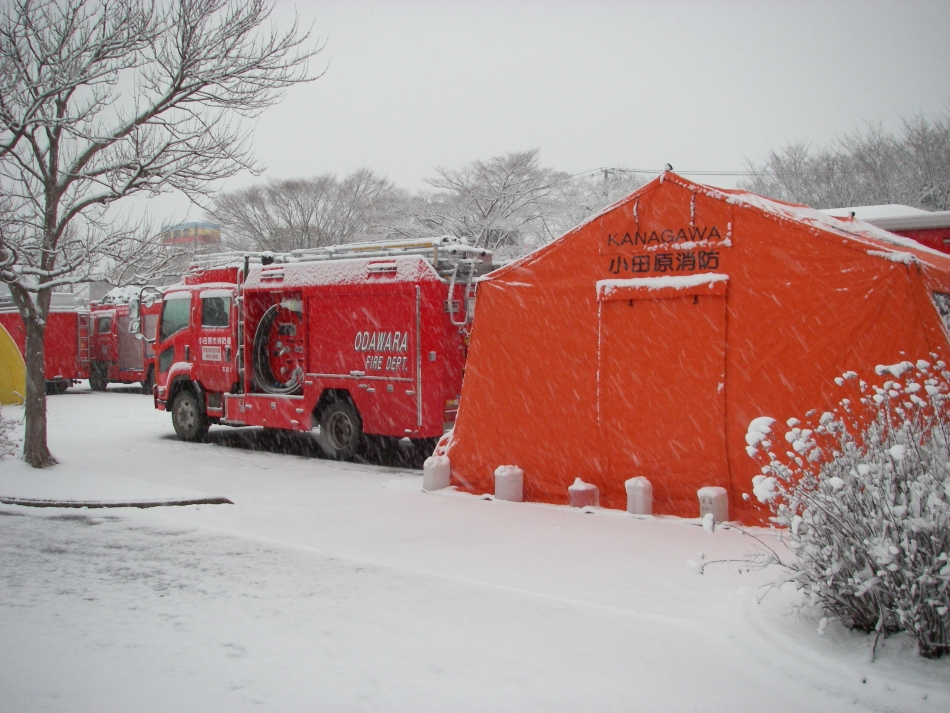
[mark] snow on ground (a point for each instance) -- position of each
(344, 587)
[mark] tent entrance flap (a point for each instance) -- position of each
(660, 392)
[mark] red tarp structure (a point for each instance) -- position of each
(644, 341)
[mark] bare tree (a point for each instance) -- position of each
(106, 99)
(499, 204)
(508, 204)
(868, 167)
(306, 213)
(586, 195)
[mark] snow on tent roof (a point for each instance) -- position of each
(867, 234)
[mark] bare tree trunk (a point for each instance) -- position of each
(34, 315)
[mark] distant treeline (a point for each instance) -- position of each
(866, 167)
(511, 204)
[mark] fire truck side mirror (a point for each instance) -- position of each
(134, 327)
(133, 312)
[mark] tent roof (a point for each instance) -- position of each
(864, 236)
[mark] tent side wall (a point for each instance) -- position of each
(528, 393)
(804, 307)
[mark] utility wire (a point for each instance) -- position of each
(658, 171)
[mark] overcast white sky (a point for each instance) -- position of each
(415, 84)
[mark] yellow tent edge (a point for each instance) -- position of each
(12, 370)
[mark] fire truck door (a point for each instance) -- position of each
(217, 348)
(150, 325)
(102, 339)
(131, 349)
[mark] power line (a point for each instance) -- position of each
(657, 171)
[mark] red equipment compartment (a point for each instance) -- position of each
(360, 324)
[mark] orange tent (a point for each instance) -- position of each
(644, 341)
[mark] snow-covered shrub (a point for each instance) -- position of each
(9, 443)
(865, 494)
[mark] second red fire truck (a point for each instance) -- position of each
(115, 355)
(342, 342)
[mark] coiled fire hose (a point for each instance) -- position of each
(260, 359)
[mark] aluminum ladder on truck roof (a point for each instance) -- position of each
(453, 259)
(445, 254)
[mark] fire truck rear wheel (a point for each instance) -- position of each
(189, 422)
(97, 378)
(341, 430)
(55, 388)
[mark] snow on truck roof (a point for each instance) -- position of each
(870, 213)
(895, 216)
(409, 268)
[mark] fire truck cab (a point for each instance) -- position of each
(342, 342)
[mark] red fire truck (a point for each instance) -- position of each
(67, 339)
(115, 354)
(342, 341)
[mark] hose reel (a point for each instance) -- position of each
(277, 359)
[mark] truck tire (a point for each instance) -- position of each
(341, 430)
(149, 380)
(97, 378)
(187, 417)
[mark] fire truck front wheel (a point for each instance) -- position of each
(341, 430)
(189, 421)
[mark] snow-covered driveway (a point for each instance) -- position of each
(337, 587)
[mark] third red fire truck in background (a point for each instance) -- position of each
(342, 342)
(67, 339)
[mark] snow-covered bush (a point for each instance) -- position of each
(9, 443)
(865, 494)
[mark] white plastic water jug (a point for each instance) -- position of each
(509, 483)
(436, 473)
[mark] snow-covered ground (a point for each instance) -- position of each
(344, 587)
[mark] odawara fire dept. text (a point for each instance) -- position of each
(394, 342)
